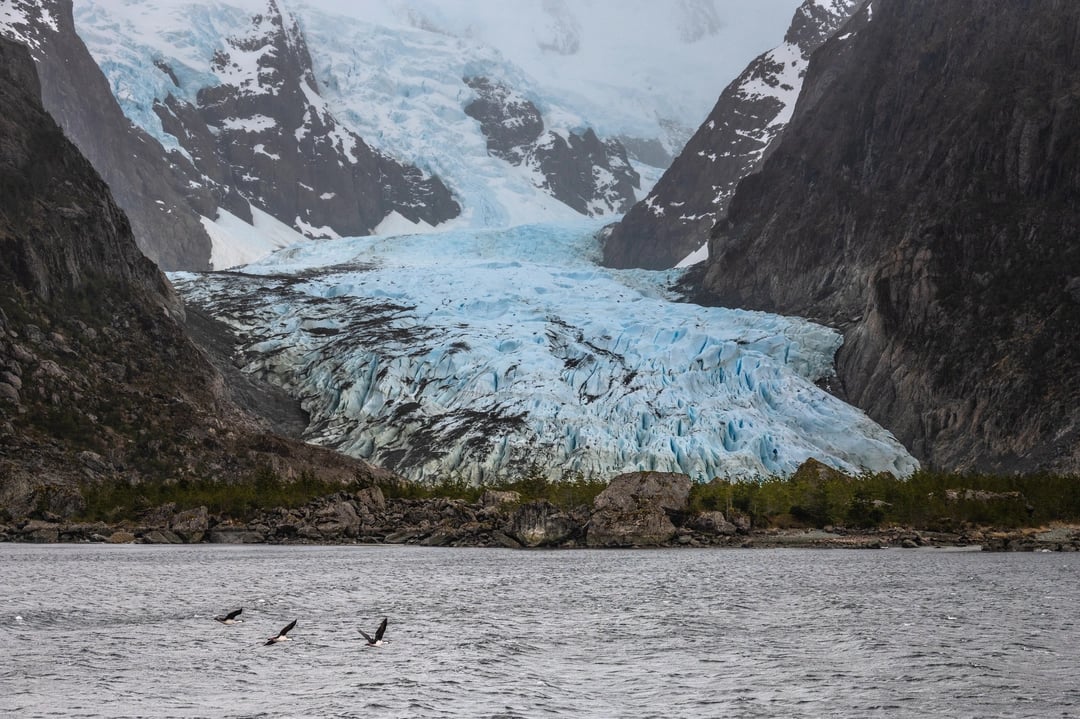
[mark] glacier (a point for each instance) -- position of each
(478, 354)
(495, 343)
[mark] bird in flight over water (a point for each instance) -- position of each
(231, 617)
(281, 635)
(377, 641)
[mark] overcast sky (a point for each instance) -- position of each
(686, 49)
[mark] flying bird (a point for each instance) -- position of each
(231, 617)
(281, 635)
(377, 641)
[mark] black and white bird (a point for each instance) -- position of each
(281, 635)
(377, 640)
(231, 617)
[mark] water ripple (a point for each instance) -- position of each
(128, 631)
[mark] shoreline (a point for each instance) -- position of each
(635, 510)
(1063, 538)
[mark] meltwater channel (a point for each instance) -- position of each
(128, 631)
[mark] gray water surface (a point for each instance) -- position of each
(124, 631)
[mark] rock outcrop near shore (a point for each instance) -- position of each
(640, 509)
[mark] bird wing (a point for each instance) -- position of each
(369, 639)
(287, 628)
(382, 628)
(234, 615)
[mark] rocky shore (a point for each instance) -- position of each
(643, 509)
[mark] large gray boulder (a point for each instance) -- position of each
(191, 524)
(714, 523)
(634, 509)
(647, 527)
(628, 492)
(539, 524)
(337, 519)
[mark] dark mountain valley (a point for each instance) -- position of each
(918, 194)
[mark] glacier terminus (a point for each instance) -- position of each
(486, 340)
(479, 353)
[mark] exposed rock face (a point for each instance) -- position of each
(540, 524)
(158, 196)
(61, 232)
(102, 385)
(634, 508)
(511, 123)
(680, 211)
(923, 200)
(713, 523)
(591, 175)
(266, 134)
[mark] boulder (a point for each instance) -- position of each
(402, 537)
(629, 492)
(161, 536)
(645, 527)
(371, 499)
(38, 531)
(504, 540)
(438, 538)
(712, 523)
(191, 521)
(234, 536)
(633, 510)
(540, 524)
(338, 519)
(159, 517)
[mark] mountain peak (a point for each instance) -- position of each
(673, 222)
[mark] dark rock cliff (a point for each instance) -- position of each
(158, 197)
(98, 382)
(923, 199)
(591, 175)
(266, 135)
(675, 219)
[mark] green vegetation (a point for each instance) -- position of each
(815, 496)
(263, 489)
(569, 491)
(928, 500)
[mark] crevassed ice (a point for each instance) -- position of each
(477, 353)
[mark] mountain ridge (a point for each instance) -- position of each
(76, 93)
(99, 383)
(674, 220)
(919, 201)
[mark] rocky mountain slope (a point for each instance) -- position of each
(418, 82)
(591, 175)
(258, 143)
(676, 217)
(264, 131)
(98, 382)
(923, 199)
(160, 197)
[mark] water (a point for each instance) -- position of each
(124, 631)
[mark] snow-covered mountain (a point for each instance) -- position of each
(672, 224)
(163, 200)
(400, 74)
(477, 353)
(264, 131)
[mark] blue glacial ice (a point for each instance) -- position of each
(476, 353)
